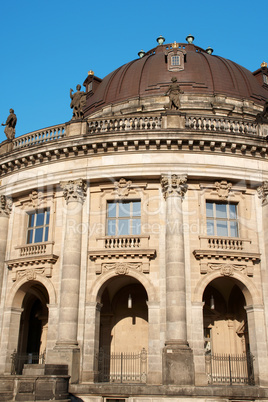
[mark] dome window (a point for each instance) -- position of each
(175, 59)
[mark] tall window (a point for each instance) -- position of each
(123, 218)
(175, 60)
(38, 226)
(221, 219)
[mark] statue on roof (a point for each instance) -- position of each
(10, 125)
(263, 116)
(174, 92)
(78, 102)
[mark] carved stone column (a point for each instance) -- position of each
(5, 209)
(74, 193)
(177, 356)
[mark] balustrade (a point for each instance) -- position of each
(221, 124)
(223, 243)
(35, 249)
(40, 136)
(124, 124)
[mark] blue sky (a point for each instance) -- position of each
(48, 47)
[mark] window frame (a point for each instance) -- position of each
(128, 218)
(35, 228)
(228, 220)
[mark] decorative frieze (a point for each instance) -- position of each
(263, 192)
(122, 268)
(74, 190)
(174, 185)
(5, 205)
(32, 266)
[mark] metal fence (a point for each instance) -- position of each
(230, 369)
(19, 359)
(122, 367)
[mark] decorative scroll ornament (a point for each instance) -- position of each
(74, 190)
(122, 268)
(36, 198)
(223, 188)
(263, 192)
(5, 205)
(227, 269)
(122, 187)
(174, 185)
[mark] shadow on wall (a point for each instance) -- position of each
(75, 399)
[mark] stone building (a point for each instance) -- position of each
(134, 238)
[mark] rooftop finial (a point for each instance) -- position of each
(190, 39)
(209, 50)
(263, 64)
(160, 40)
(91, 72)
(141, 54)
(175, 45)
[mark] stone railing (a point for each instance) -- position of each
(214, 124)
(35, 249)
(124, 124)
(119, 242)
(40, 136)
(223, 243)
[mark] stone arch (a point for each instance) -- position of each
(97, 288)
(21, 286)
(248, 288)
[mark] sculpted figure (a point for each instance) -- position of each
(10, 125)
(78, 102)
(174, 92)
(263, 116)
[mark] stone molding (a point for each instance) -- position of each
(30, 267)
(5, 205)
(263, 192)
(173, 185)
(74, 190)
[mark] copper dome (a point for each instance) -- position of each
(203, 73)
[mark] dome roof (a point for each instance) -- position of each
(202, 73)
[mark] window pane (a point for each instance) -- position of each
(232, 210)
(136, 226)
(222, 229)
(31, 220)
(111, 210)
(123, 227)
(136, 208)
(210, 228)
(30, 236)
(46, 234)
(38, 235)
(40, 219)
(124, 210)
(221, 211)
(47, 217)
(111, 229)
(233, 229)
(209, 208)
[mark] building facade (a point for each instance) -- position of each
(134, 238)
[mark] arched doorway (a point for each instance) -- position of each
(123, 331)
(33, 326)
(226, 339)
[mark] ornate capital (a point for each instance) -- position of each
(174, 185)
(263, 192)
(74, 190)
(5, 205)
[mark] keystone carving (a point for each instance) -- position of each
(227, 269)
(174, 185)
(122, 187)
(122, 268)
(263, 192)
(223, 188)
(5, 205)
(74, 190)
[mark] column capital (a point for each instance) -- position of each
(173, 185)
(263, 192)
(5, 205)
(74, 190)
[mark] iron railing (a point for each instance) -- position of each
(230, 369)
(19, 359)
(122, 367)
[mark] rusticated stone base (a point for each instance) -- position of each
(178, 365)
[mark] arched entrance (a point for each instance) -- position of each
(33, 325)
(226, 338)
(123, 337)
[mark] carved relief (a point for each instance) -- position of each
(223, 188)
(263, 192)
(227, 269)
(122, 268)
(5, 205)
(74, 190)
(174, 185)
(31, 273)
(122, 187)
(36, 198)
